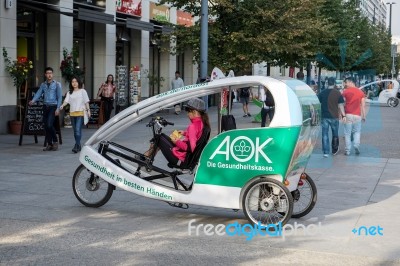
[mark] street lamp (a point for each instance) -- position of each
(390, 16)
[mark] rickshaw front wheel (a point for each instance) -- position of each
(89, 189)
(268, 202)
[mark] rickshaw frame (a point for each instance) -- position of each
(297, 116)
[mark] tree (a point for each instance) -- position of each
(251, 31)
(357, 44)
(284, 33)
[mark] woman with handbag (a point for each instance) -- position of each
(106, 92)
(78, 100)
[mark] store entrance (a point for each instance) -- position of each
(25, 53)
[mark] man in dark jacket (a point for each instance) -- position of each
(331, 108)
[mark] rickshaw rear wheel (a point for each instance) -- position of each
(304, 197)
(90, 189)
(393, 102)
(268, 202)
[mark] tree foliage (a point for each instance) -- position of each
(357, 44)
(285, 33)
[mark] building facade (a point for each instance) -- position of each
(374, 10)
(101, 35)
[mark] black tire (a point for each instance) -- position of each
(304, 197)
(89, 189)
(392, 102)
(260, 204)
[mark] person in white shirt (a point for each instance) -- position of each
(78, 100)
(176, 83)
(268, 107)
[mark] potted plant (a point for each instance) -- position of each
(69, 65)
(20, 70)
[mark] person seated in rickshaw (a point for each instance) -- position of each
(176, 146)
(390, 85)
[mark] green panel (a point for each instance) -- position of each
(236, 156)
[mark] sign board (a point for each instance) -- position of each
(129, 7)
(91, 3)
(184, 18)
(96, 112)
(394, 50)
(159, 13)
(32, 123)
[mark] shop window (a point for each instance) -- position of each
(155, 80)
(25, 20)
(119, 54)
(180, 65)
(79, 29)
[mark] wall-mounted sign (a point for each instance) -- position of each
(9, 3)
(184, 18)
(130, 7)
(159, 13)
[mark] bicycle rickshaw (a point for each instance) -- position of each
(389, 97)
(258, 170)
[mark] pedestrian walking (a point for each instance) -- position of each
(268, 106)
(176, 83)
(78, 100)
(107, 93)
(332, 108)
(52, 94)
(300, 75)
(355, 113)
(245, 94)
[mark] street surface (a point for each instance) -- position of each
(42, 223)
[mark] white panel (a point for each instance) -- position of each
(287, 107)
(217, 196)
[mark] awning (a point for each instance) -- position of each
(139, 25)
(95, 16)
(166, 30)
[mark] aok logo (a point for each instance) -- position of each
(242, 149)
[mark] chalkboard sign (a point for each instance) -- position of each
(33, 122)
(33, 119)
(96, 111)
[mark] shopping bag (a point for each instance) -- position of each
(85, 117)
(228, 122)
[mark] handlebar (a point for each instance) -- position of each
(162, 122)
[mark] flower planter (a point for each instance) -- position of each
(14, 127)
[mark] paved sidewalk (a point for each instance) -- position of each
(42, 223)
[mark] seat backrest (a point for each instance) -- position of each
(193, 157)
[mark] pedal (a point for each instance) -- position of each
(178, 205)
(138, 173)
